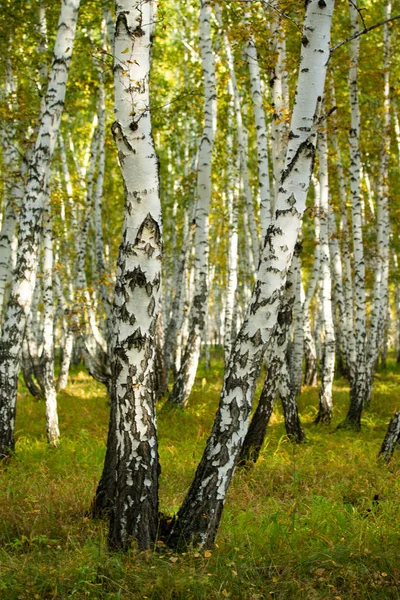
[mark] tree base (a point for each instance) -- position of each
(354, 425)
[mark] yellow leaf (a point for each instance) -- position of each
(225, 593)
(173, 559)
(207, 554)
(125, 51)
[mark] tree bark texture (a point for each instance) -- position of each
(130, 476)
(185, 378)
(199, 516)
(19, 303)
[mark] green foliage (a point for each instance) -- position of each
(302, 523)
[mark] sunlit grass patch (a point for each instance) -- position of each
(318, 520)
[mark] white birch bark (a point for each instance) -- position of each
(359, 378)
(13, 185)
(280, 103)
(131, 465)
(261, 136)
(30, 224)
(310, 352)
(47, 357)
(187, 372)
(242, 141)
(381, 274)
(198, 518)
(346, 318)
(296, 355)
(329, 348)
(233, 238)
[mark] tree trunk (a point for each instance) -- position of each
(329, 348)
(130, 476)
(187, 372)
(359, 377)
(30, 225)
(392, 438)
(199, 516)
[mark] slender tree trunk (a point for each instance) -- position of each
(359, 376)
(297, 347)
(261, 135)
(381, 275)
(310, 352)
(233, 239)
(187, 372)
(30, 225)
(280, 104)
(199, 516)
(47, 358)
(329, 348)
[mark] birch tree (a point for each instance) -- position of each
(187, 372)
(130, 476)
(20, 299)
(198, 518)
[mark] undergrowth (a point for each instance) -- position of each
(319, 520)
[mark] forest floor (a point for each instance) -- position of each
(301, 524)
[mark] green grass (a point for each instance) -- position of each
(301, 524)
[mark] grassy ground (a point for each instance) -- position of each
(301, 524)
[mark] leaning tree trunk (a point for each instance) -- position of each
(392, 438)
(30, 225)
(275, 360)
(130, 477)
(185, 378)
(199, 516)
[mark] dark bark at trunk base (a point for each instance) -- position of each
(358, 396)
(392, 438)
(293, 426)
(104, 498)
(324, 413)
(258, 427)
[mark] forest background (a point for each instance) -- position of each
(308, 520)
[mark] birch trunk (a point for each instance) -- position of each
(242, 142)
(199, 516)
(359, 377)
(381, 275)
(280, 104)
(232, 275)
(30, 225)
(130, 476)
(47, 358)
(392, 438)
(187, 372)
(329, 347)
(297, 349)
(347, 319)
(261, 135)
(310, 352)
(13, 187)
